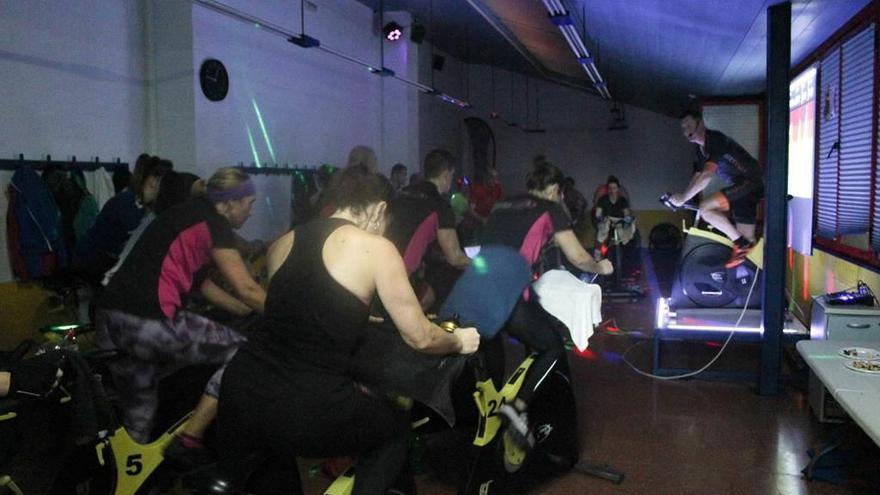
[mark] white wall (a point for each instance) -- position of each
(72, 82)
(314, 106)
(171, 96)
(116, 78)
(441, 125)
(649, 158)
(290, 105)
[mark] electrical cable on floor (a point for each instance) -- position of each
(710, 363)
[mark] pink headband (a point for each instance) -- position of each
(242, 190)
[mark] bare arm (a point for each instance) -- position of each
(232, 267)
(598, 213)
(399, 299)
(451, 248)
(698, 182)
(224, 300)
(579, 257)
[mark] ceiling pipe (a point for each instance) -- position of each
(562, 19)
(295, 38)
(557, 6)
(241, 16)
(499, 26)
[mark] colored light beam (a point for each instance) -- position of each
(805, 291)
(253, 145)
(612, 357)
(480, 265)
(829, 280)
(263, 129)
(586, 354)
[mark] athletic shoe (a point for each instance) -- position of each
(738, 255)
(514, 454)
(518, 437)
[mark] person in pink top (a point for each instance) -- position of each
(141, 313)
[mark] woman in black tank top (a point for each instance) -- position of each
(290, 391)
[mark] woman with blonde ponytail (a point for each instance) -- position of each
(141, 310)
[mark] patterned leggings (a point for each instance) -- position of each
(155, 349)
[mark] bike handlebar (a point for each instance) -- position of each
(666, 199)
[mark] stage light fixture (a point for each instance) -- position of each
(392, 31)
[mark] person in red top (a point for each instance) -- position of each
(483, 196)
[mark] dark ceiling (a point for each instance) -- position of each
(653, 53)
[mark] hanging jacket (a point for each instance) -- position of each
(34, 230)
(99, 182)
(87, 210)
(67, 196)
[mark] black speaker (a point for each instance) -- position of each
(417, 33)
(438, 62)
(702, 281)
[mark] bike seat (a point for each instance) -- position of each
(104, 356)
(209, 480)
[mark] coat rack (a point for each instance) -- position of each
(66, 165)
(277, 169)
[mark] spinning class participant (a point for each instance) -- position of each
(290, 391)
(140, 311)
(722, 156)
(528, 223)
(420, 215)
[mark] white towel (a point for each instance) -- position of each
(573, 302)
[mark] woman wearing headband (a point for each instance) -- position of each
(141, 312)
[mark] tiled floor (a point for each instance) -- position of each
(679, 437)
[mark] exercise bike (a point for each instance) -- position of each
(496, 464)
(617, 290)
(111, 462)
(702, 280)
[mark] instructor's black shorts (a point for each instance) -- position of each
(743, 199)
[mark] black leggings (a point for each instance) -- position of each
(539, 331)
(271, 417)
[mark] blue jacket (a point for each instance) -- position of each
(119, 217)
(34, 227)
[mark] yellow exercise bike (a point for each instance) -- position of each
(123, 466)
(491, 462)
(495, 463)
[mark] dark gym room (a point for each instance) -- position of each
(473, 247)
